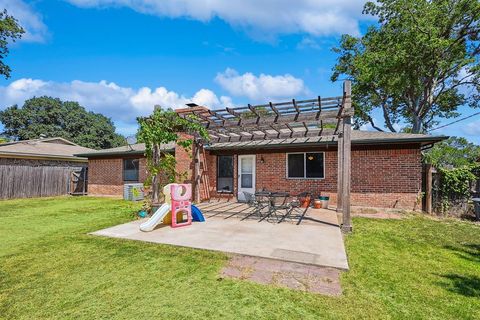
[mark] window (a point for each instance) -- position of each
(130, 169)
(308, 165)
(225, 173)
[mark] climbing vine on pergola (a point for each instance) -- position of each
(161, 128)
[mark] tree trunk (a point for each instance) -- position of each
(417, 124)
(156, 178)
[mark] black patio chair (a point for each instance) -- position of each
(294, 206)
(256, 203)
(278, 202)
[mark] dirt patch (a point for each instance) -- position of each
(297, 276)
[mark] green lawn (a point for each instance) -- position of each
(50, 268)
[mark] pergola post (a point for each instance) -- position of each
(340, 173)
(346, 159)
(196, 173)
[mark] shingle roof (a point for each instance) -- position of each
(133, 149)
(55, 148)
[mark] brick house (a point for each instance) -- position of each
(386, 168)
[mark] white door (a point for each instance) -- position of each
(246, 175)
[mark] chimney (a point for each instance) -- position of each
(191, 107)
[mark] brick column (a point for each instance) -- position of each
(184, 161)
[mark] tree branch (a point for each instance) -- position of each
(388, 122)
(372, 123)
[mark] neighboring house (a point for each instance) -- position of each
(41, 167)
(386, 167)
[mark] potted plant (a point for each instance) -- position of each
(304, 200)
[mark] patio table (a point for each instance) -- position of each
(274, 204)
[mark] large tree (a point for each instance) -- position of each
(10, 30)
(51, 117)
(417, 65)
(454, 152)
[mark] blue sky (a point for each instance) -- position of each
(122, 57)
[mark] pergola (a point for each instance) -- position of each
(330, 116)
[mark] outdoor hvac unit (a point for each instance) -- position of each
(133, 191)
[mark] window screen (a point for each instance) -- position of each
(296, 164)
(130, 169)
(314, 165)
(225, 173)
(306, 165)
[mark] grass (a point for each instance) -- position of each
(416, 268)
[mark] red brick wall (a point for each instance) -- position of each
(105, 176)
(389, 178)
(184, 165)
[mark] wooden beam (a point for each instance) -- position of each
(284, 114)
(331, 116)
(296, 109)
(197, 177)
(340, 173)
(319, 108)
(347, 151)
(428, 188)
(277, 114)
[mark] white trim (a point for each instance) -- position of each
(239, 172)
(304, 166)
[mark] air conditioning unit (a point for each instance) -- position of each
(133, 191)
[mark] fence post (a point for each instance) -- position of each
(428, 189)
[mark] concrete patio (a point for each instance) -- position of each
(316, 241)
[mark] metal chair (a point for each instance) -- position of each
(256, 204)
(278, 202)
(295, 206)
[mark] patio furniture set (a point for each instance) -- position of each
(276, 206)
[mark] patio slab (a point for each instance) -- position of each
(318, 244)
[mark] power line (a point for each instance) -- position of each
(453, 122)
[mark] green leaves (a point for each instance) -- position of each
(455, 184)
(163, 127)
(10, 30)
(454, 152)
(418, 65)
(51, 117)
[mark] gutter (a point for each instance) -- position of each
(20, 155)
(116, 153)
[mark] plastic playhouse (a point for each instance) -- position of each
(177, 211)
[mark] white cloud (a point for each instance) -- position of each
(472, 128)
(316, 17)
(308, 43)
(122, 104)
(31, 21)
(262, 87)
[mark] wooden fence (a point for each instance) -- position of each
(435, 202)
(21, 181)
